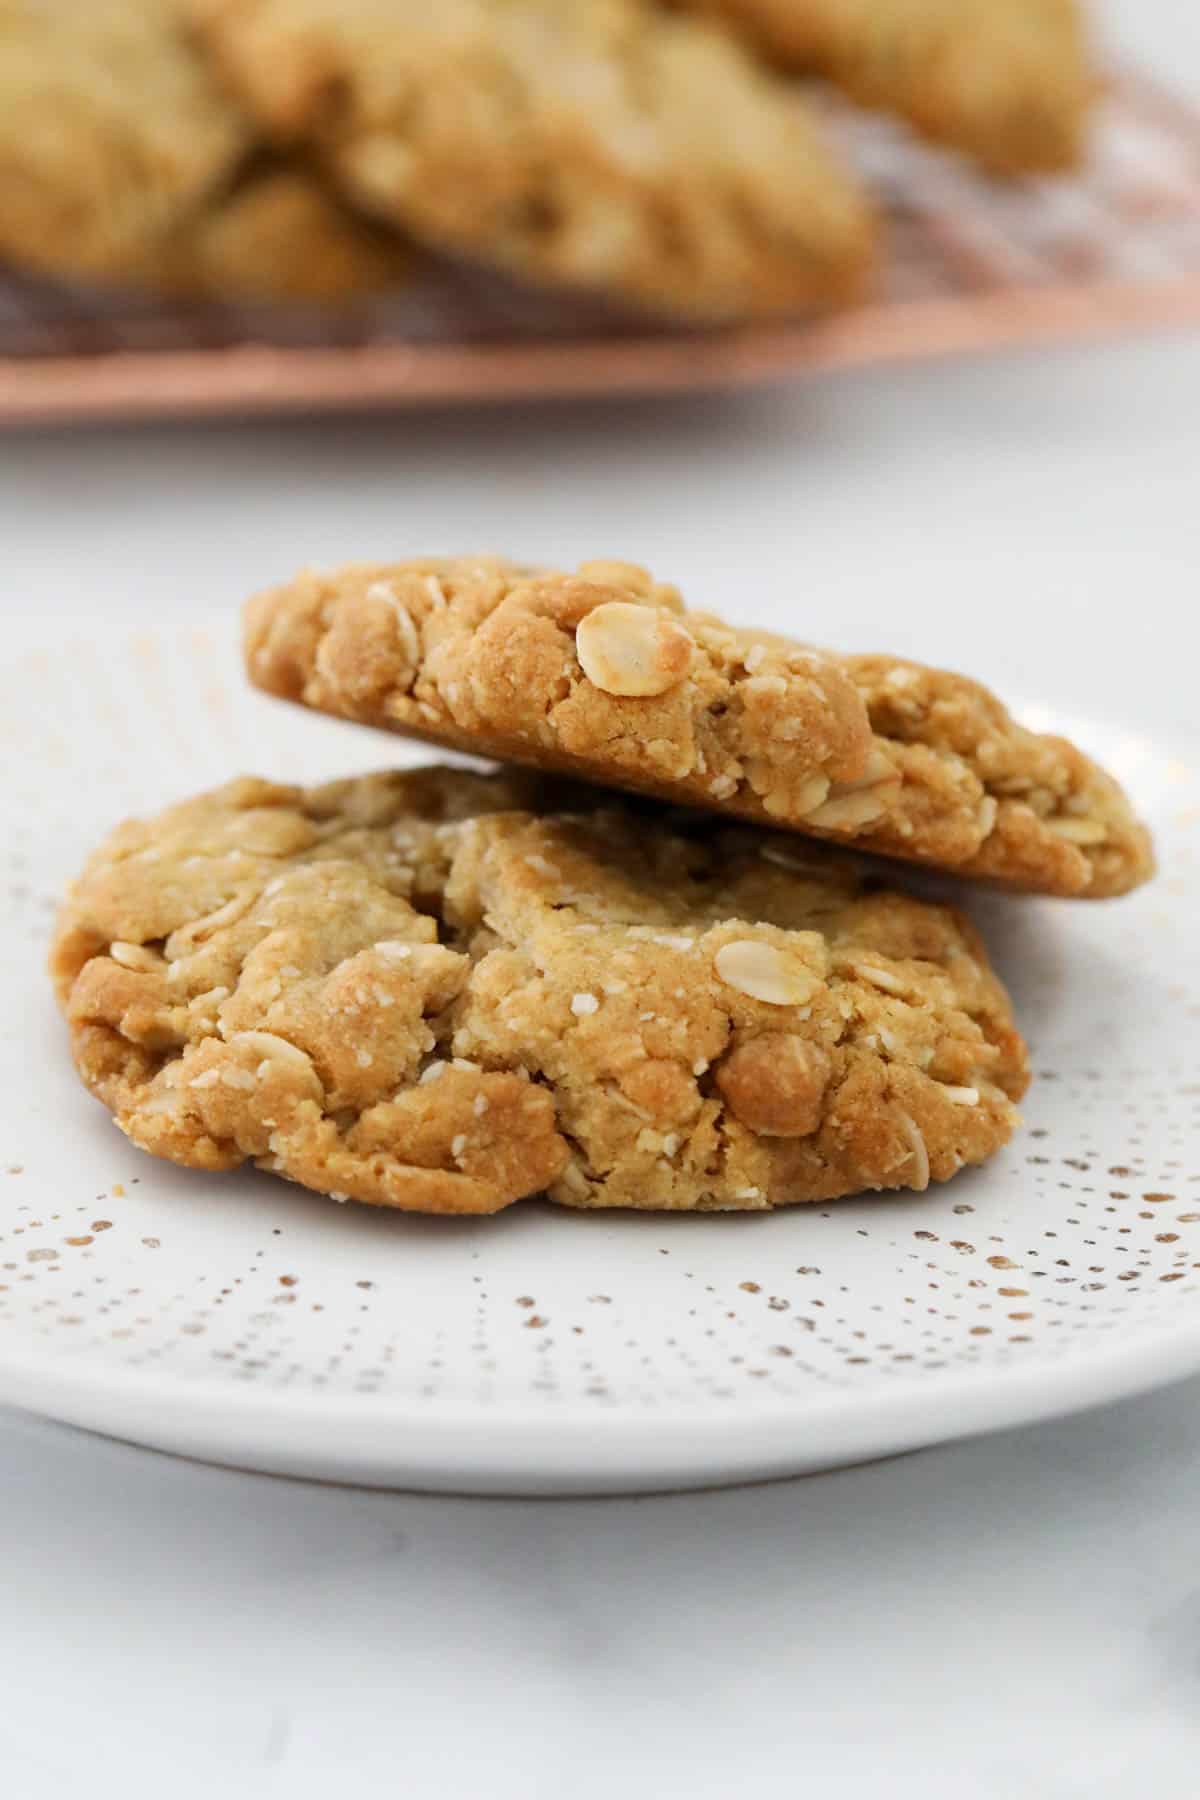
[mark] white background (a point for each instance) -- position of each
(1017, 1615)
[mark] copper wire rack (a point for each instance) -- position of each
(971, 265)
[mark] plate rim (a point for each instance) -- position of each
(364, 1441)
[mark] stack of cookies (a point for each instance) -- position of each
(632, 148)
(643, 964)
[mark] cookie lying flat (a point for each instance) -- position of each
(279, 234)
(1008, 81)
(602, 674)
(395, 990)
(588, 142)
(111, 128)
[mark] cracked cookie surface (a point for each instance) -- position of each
(441, 992)
(603, 674)
(593, 143)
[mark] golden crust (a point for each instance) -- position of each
(488, 656)
(1010, 82)
(111, 128)
(570, 144)
(414, 991)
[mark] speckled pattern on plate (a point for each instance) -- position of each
(238, 1319)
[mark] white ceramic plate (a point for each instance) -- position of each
(241, 1320)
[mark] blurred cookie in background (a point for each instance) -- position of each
(600, 144)
(1010, 82)
(112, 127)
(620, 150)
(124, 159)
(278, 234)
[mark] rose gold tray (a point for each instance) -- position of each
(971, 266)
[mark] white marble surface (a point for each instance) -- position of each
(1014, 1617)
(1017, 1615)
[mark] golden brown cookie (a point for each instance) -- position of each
(279, 234)
(111, 128)
(595, 143)
(1010, 82)
(603, 674)
(415, 991)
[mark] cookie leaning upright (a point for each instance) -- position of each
(111, 128)
(596, 143)
(603, 674)
(441, 992)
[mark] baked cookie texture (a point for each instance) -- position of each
(603, 674)
(279, 234)
(111, 128)
(593, 143)
(1010, 82)
(418, 991)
